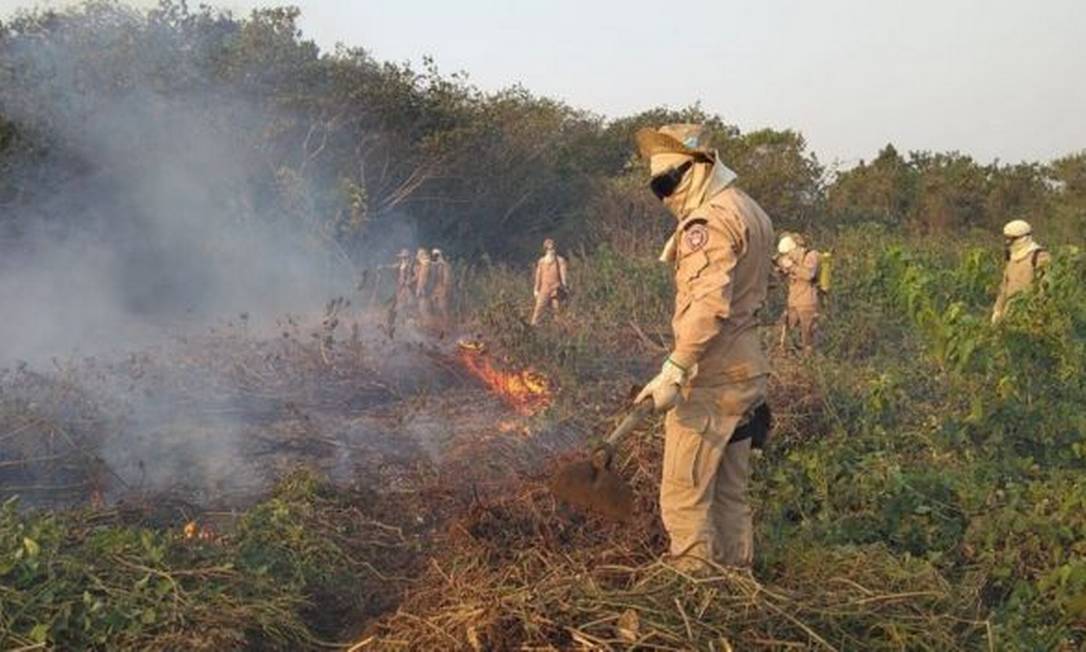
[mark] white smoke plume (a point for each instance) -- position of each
(142, 214)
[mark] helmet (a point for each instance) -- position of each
(435, 252)
(1016, 229)
(786, 245)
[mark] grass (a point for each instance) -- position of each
(922, 491)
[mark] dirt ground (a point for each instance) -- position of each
(214, 419)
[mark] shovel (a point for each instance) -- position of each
(591, 484)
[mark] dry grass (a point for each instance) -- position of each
(525, 573)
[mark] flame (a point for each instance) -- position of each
(526, 391)
(194, 530)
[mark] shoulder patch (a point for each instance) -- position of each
(696, 236)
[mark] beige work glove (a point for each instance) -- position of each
(665, 387)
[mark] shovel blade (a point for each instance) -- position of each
(596, 489)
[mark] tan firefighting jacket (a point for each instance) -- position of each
(423, 283)
(1023, 265)
(550, 275)
(803, 279)
(722, 269)
(404, 274)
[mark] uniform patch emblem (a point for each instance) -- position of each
(696, 237)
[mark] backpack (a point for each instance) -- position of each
(825, 272)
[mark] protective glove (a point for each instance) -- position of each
(664, 388)
(535, 294)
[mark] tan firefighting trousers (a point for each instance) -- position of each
(404, 299)
(550, 298)
(425, 312)
(805, 320)
(441, 312)
(703, 491)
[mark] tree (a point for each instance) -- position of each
(883, 190)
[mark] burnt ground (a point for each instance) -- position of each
(202, 427)
(211, 421)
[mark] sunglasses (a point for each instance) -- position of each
(664, 184)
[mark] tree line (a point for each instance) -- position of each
(356, 148)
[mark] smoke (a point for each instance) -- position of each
(155, 232)
(142, 213)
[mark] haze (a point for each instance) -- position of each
(995, 79)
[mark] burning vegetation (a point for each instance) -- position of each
(526, 390)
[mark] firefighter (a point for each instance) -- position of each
(800, 266)
(405, 280)
(551, 285)
(423, 288)
(405, 291)
(1026, 262)
(714, 379)
(442, 289)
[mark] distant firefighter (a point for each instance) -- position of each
(800, 265)
(405, 280)
(405, 291)
(441, 294)
(1026, 262)
(424, 287)
(551, 285)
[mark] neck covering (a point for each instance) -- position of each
(702, 181)
(1022, 247)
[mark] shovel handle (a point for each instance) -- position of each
(632, 420)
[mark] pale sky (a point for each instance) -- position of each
(994, 78)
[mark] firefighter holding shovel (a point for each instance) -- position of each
(714, 380)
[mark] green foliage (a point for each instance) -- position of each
(346, 145)
(943, 193)
(611, 292)
(77, 581)
(961, 442)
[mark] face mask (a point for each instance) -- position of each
(663, 185)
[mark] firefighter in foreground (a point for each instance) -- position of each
(801, 266)
(1026, 262)
(551, 286)
(715, 377)
(441, 292)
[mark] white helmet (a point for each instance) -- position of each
(1016, 229)
(786, 245)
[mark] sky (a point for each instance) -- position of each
(994, 78)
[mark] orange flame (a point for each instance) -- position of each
(526, 391)
(194, 530)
